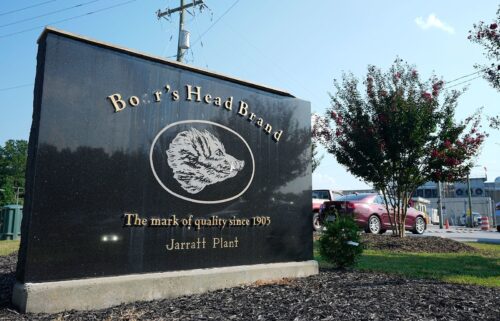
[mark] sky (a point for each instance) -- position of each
(297, 46)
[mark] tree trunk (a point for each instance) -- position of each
(401, 226)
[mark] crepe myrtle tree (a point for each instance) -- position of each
(487, 34)
(399, 132)
(316, 159)
(317, 123)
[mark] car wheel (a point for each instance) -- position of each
(498, 228)
(374, 226)
(317, 226)
(419, 227)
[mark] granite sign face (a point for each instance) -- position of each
(141, 165)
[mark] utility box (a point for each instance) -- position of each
(10, 222)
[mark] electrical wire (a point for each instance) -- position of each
(463, 82)
(462, 77)
(28, 7)
(48, 13)
(15, 87)
(275, 64)
(68, 19)
(201, 42)
(215, 22)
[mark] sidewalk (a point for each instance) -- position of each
(457, 229)
(464, 234)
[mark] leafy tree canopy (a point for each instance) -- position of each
(487, 34)
(399, 132)
(316, 122)
(12, 170)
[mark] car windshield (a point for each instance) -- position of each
(352, 197)
(321, 194)
(336, 197)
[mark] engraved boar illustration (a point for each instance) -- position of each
(198, 159)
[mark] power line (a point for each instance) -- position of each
(447, 82)
(198, 30)
(275, 64)
(67, 19)
(463, 82)
(215, 22)
(28, 7)
(15, 87)
(48, 13)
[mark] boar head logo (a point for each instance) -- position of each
(198, 159)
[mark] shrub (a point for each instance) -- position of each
(337, 244)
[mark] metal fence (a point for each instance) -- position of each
(455, 208)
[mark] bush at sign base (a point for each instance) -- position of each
(340, 242)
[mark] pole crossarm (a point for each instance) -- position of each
(168, 12)
(181, 47)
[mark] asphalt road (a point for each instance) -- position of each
(464, 234)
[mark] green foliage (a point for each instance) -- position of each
(317, 122)
(334, 243)
(13, 157)
(487, 35)
(316, 160)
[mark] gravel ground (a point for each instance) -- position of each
(331, 295)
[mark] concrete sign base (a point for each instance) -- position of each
(104, 292)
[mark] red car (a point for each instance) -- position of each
(319, 196)
(370, 213)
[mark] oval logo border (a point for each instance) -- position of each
(192, 199)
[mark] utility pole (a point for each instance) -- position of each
(182, 43)
(17, 194)
(440, 206)
(469, 192)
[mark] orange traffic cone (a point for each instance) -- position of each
(446, 224)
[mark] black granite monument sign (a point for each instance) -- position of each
(138, 165)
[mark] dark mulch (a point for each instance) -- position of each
(7, 278)
(331, 295)
(430, 244)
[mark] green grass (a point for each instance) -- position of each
(7, 247)
(482, 268)
(492, 250)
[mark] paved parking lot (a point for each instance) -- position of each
(464, 234)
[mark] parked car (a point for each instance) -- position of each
(476, 219)
(369, 212)
(319, 196)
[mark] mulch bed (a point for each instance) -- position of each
(331, 295)
(429, 244)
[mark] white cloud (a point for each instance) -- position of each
(433, 22)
